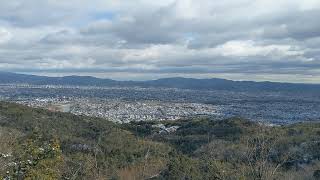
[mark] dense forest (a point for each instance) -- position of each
(39, 144)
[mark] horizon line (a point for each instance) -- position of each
(155, 79)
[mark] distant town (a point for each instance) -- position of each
(126, 104)
(123, 111)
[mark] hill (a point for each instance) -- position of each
(38, 144)
(182, 83)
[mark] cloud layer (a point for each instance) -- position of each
(142, 39)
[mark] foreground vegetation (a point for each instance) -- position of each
(38, 144)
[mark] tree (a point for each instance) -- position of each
(181, 167)
(37, 158)
(257, 156)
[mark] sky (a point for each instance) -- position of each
(262, 40)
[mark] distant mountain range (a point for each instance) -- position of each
(177, 82)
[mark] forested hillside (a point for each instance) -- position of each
(38, 144)
(44, 145)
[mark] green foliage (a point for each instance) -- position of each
(91, 148)
(36, 158)
(52, 145)
(182, 167)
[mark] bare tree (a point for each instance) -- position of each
(257, 156)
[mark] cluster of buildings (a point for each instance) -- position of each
(124, 111)
(125, 104)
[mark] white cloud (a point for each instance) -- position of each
(185, 37)
(250, 48)
(5, 36)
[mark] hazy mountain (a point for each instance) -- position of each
(177, 82)
(6, 77)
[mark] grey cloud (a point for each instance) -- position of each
(186, 37)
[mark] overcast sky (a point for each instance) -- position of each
(277, 40)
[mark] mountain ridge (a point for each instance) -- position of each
(174, 82)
